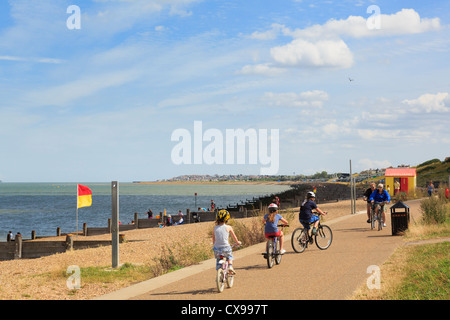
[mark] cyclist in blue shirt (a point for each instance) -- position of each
(380, 196)
(306, 215)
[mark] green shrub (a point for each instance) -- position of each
(434, 210)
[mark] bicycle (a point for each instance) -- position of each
(223, 275)
(301, 238)
(273, 252)
(379, 216)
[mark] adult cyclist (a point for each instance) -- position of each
(366, 197)
(382, 197)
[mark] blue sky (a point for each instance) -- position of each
(100, 103)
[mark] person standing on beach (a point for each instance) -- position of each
(150, 213)
(10, 237)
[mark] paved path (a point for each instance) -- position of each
(331, 274)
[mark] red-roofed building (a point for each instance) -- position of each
(400, 180)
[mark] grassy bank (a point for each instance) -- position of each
(418, 271)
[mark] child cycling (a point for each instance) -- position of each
(220, 239)
(271, 225)
(306, 215)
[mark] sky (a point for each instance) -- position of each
(97, 94)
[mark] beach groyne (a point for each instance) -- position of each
(28, 249)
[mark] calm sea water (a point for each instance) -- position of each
(45, 206)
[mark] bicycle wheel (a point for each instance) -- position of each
(270, 253)
(324, 237)
(230, 280)
(299, 240)
(372, 218)
(220, 279)
(380, 223)
(278, 254)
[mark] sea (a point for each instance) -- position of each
(45, 206)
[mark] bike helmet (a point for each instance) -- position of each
(273, 207)
(310, 194)
(223, 215)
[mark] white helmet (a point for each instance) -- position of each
(273, 207)
(310, 194)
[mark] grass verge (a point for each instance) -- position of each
(416, 272)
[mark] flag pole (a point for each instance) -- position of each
(77, 214)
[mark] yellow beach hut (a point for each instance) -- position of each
(400, 180)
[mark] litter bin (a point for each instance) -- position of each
(399, 218)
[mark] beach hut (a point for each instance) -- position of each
(402, 179)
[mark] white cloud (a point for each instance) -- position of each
(64, 94)
(322, 53)
(428, 103)
(38, 60)
(406, 21)
(269, 34)
(376, 134)
(265, 69)
(321, 45)
(314, 98)
(373, 164)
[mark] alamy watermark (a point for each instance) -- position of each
(374, 280)
(74, 281)
(234, 146)
(374, 21)
(74, 20)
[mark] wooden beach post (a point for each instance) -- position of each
(115, 223)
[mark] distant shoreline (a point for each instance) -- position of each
(215, 182)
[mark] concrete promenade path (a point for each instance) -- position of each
(332, 274)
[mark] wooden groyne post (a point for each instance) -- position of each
(19, 244)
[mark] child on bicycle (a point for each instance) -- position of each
(271, 225)
(306, 215)
(220, 239)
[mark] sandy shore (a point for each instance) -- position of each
(35, 278)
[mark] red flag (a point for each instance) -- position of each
(84, 196)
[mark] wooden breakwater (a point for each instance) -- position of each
(28, 249)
